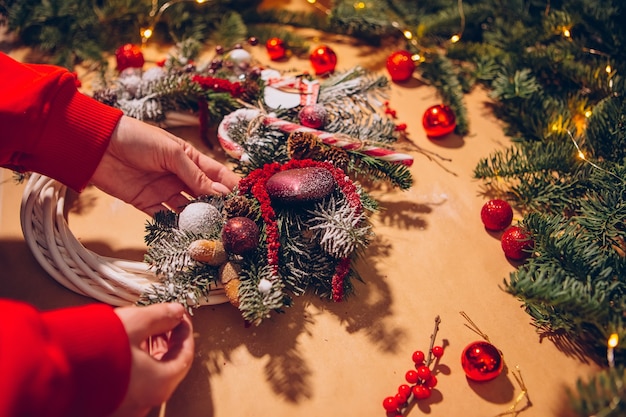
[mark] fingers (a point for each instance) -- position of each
(142, 322)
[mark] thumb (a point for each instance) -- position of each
(142, 322)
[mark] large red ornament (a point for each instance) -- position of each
(517, 243)
(300, 185)
(439, 121)
(496, 214)
(400, 66)
(323, 59)
(240, 235)
(481, 361)
(276, 49)
(129, 56)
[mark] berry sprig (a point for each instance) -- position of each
(421, 380)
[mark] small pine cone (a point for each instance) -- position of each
(303, 145)
(107, 96)
(337, 156)
(250, 91)
(237, 206)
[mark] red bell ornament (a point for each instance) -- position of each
(400, 66)
(481, 361)
(439, 121)
(323, 59)
(276, 49)
(129, 56)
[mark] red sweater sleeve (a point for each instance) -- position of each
(48, 126)
(65, 363)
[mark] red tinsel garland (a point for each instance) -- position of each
(256, 182)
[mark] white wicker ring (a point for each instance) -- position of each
(113, 281)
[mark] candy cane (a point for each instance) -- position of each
(334, 139)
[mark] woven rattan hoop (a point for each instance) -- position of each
(113, 281)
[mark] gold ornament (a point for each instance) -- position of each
(231, 288)
(228, 272)
(208, 251)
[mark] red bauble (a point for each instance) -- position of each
(439, 121)
(323, 59)
(300, 185)
(481, 361)
(400, 66)
(313, 116)
(517, 243)
(496, 214)
(276, 49)
(129, 56)
(240, 235)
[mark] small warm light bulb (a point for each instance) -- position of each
(359, 5)
(455, 38)
(588, 114)
(416, 58)
(146, 33)
(311, 1)
(566, 33)
(608, 69)
(613, 340)
(408, 34)
(201, 1)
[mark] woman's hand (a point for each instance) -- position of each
(162, 350)
(149, 167)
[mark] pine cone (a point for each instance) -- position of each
(337, 156)
(238, 206)
(107, 96)
(303, 145)
(250, 91)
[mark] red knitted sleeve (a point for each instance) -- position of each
(48, 126)
(65, 363)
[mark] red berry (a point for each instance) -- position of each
(418, 356)
(437, 351)
(411, 376)
(423, 372)
(431, 382)
(390, 404)
(517, 243)
(401, 399)
(496, 214)
(421, 392)
(404, 390)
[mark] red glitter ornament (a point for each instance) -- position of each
(517, 243)
(400, 66)
(323, 59)
(129, 56)
(313, 116)
(240, 235)
(481, 361)
(496, 214)
(276, 49)
(439, 121)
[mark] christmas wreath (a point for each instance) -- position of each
(299, 217)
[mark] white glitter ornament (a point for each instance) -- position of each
(265, 285)
(200, 218)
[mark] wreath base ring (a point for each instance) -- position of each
(113, 281)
